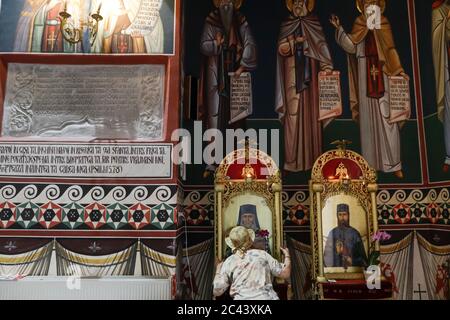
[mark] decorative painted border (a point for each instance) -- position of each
(81, 207)
(395, 207)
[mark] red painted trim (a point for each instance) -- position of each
(437, 4)
(418, 91)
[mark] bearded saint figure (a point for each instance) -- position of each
(372, 59)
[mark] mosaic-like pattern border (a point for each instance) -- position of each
(415, 206)
(84, 207)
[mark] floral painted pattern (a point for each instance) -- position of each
(250, 277)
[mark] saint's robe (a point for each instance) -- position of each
(372, 58)
(238, 50)
(441, 56)
(352, 247)
(297, 97)
(22, 42)
(52, 38)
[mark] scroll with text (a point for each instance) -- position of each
(399, 98)
(241, 105)
(330, 99)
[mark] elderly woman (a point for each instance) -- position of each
(249, 272)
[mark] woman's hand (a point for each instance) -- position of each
(285, 252)
(218, 265)
(286, 272)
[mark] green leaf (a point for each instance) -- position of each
(374, 258)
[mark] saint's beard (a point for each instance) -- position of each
(343, 224)
(300, 11)
(226, 14)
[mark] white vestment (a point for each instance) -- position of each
(380, 140)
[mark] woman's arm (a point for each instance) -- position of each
(221, 282)
(286, 271)
(281, 270)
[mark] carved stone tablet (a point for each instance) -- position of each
(91, 101)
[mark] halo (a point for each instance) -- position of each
(360, 5)
(237, 3)
(310, 4)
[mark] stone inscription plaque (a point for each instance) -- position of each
(93, 160)
(91, 101)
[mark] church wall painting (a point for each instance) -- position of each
(94, 26)
(302, 53)
(87, 217)
(252, 212)
(402, 213)
(415, 202)
(348, 126)
(372, 59)
(86, 257)
(61, 209)
(431, 46)
(345, 234)
(108, 205)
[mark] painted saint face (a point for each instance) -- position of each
(343, 219)
(226, 3)
(299, 8)
(248, 220)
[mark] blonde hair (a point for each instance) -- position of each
(240, 240)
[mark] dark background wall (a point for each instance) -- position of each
(265, 17)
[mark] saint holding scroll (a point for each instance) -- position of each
(133, 26)
(227, 46)
(372, 60)
(302, 54)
